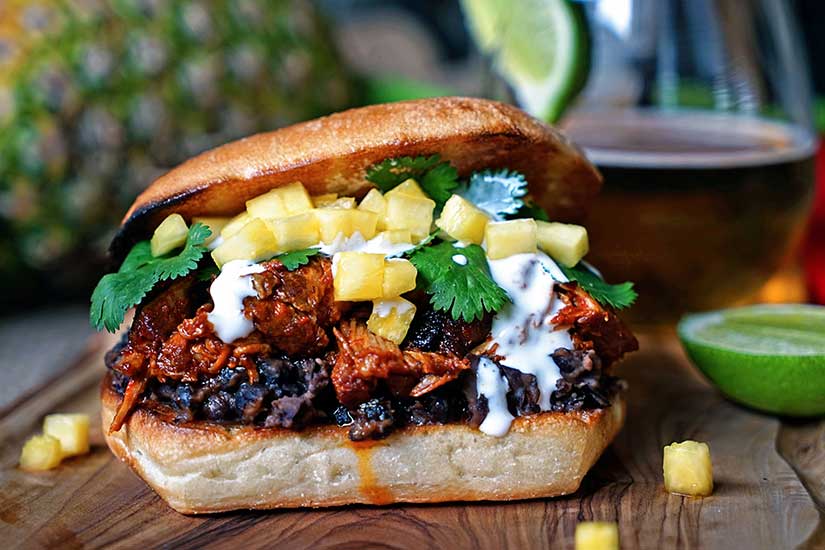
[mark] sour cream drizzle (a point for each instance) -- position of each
(357, 243)
(493, 386)
(228, 292)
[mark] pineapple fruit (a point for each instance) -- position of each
(169, 235)
(214, 224)
(335, 221)
(72, 430)
(235, 224)
(597, 535)
(358, 276)
(254, 241)
(511, 237)
(687, 469)
(391, 318)
(462, 220)
(399, 277)
(295, 232)
(409, 208)
(320, 201)
(99, 98)
(281, 202)
(566, 243)
(41, 452)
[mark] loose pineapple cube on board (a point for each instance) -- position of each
(214, 224)
(408, 187)
(564, 242)
(326, 199)
(597, 535)
(169, 235)
(41, 452)
(72, 430)
(391, 318)
(511, 237)
(409, 212)
(235, 224)
(253, 242)
(295, 232)
(462, 220)
(399, 277)
(687, 469)
(346, 203)
(335, 221)
(396, 236)
(280, 202)
(358, 276)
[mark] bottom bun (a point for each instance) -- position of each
(201, 467)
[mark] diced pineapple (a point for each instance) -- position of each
(253, 242)
(687, 469)
(41, 452)
(597, 535)
(169, 235)
(511, 237)
(235, 224)
(462, 220)
(72, 430)
(409, 187)
(564, 242)
(375, 202)
(396, 236)
(281, 202)
(321, 201)
(214, 224)
(399, 277)
(391, 318)
(409, 212)
(345, 203)
(295, 232)
(335, 221)
(358, 276)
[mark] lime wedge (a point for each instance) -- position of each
(540, 47)
(769, 357)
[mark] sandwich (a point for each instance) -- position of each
(388, 304)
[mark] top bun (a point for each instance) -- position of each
(331, 154)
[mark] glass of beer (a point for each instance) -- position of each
(698, 114)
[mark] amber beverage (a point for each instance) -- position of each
(699, 209)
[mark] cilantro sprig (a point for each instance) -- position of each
(499, 192)
(618, 296)
(138, 274)
(465, 291)
(437, 178)
(295, 259)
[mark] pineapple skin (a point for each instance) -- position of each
(99, 98)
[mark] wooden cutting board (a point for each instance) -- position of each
(770, 484)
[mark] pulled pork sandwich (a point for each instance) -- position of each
(371, 307)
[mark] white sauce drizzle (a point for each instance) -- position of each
(460, 259)
(228, 292)
(383, 308)
(357, 243)
(493, 386)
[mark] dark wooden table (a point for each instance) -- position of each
(770, 484)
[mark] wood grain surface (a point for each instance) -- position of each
(770, 484)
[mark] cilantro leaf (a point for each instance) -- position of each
(466, 291)
(295, 259)
(391, 172)
(115, 293)
(439, 182)
(496, 192)
(618, 296)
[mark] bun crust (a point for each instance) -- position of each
(200, 468)
(330, 155)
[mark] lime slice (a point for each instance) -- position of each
(540, 47)
(769, 357)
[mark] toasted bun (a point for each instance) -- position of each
(330, 155)
(198, 468)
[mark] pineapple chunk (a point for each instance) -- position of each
(295, 232)
(72, 430)
(41, 452)
(511, 237)
(169, 235)
(462, 220)
(346, 203)
(215, 225)
(320, 201)
(281, 202)
(399, 277)
(235, 224)
(396, 236)
(409, 212)
(597, 535)
(391, 318)
(358, 276)
(253, 242)
(409, 187)
(566, 243)
(687, 469)
(335, 221)
(375, 202)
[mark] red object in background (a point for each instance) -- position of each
(814, 249)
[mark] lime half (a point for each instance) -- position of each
(540, 47)
(770, 357)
